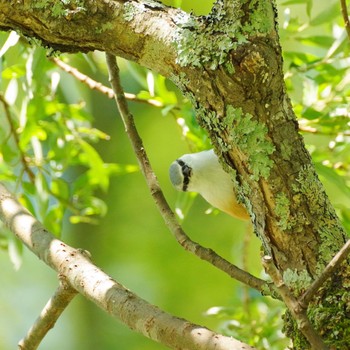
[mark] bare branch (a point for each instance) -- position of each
(158, 196)
(312, 130)
(95, 85)
(105, 292)
(49, 315)
(344, 12)
(299, 314)
(327, 273)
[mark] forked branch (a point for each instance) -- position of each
(49, 315)
(105, 292)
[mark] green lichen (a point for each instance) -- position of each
(207, 40)
(229, 67)
(310, 190)
(297, 281)
(251, 137)
(63, 8)
(130, 11)
(286, 151)
(261, 19)
(104, 27)
(331, 317)
(291, 330)
(308, 185)
(283, 211)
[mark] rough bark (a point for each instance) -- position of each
(230, 64)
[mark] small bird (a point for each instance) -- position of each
(201, 172)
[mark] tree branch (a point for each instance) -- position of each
(327, 273)
(345, 14)
(158, 196)
(105, 292)
(131, 29)
(95, 85)
(49, 315)
(299, 314)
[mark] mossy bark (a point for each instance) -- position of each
(230, 64)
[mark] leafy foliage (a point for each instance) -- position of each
(257, 323)
(49, 153)
(317, 71)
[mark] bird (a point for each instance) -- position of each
(201, 172)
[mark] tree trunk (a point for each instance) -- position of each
(230, 65)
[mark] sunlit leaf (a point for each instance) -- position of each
(11, 41)
(326, 15)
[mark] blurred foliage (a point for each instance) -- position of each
(52, 154)
(258, 323)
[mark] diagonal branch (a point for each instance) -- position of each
(105, 292)
(49, 315)
(327, 273)
(345, 14)
(158, 196)
(95, 85)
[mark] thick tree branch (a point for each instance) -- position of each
(105, 292)
(49, 315)
(158, 196)
(133, 30)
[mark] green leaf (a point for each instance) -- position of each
(327, 15)
(331, 175)
(27, 202)
(60, 188)
(12, 40)
(317, 40)
(53, 219)
(97, 173)
(14, 72)
(311, 113)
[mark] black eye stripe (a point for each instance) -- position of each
(186, 172)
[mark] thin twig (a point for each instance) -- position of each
(158, 196)
(16, 139)
(298, 313)
(344, 12)
(49, 315)
(95, 85)
(327, 273)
